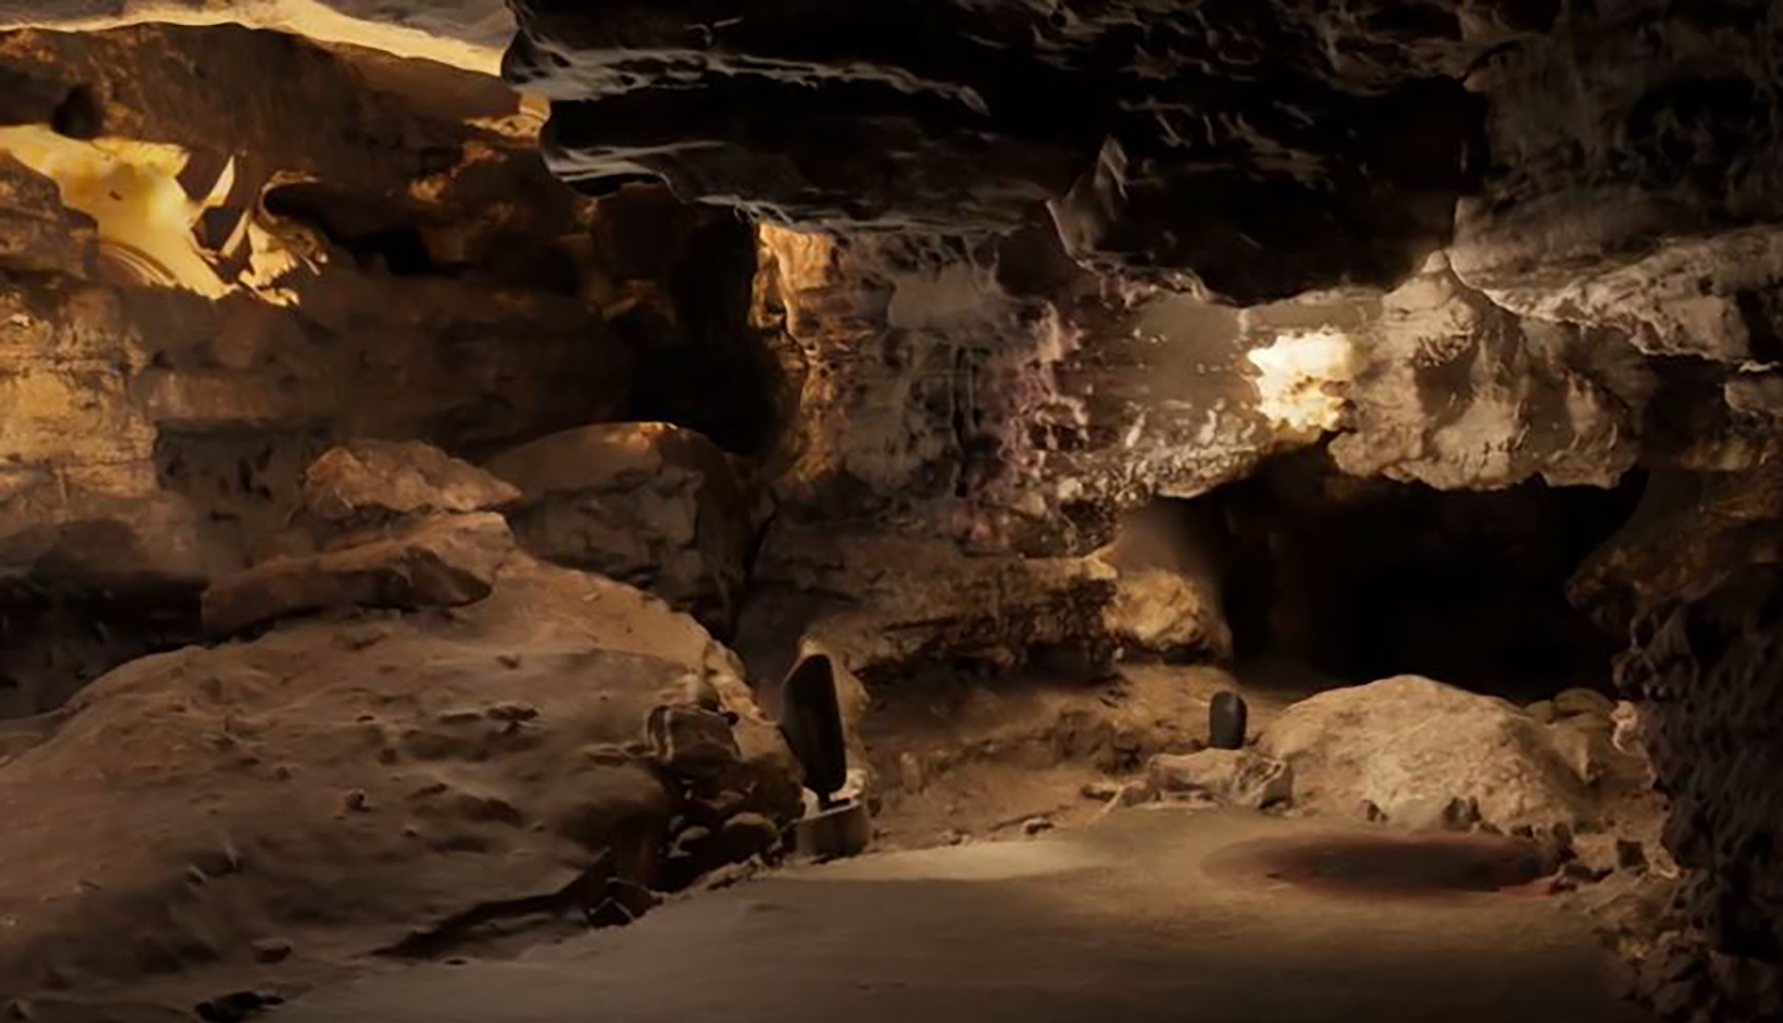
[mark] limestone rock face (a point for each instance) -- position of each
(1704, 665)
(1196, 143)
(368, 781)
(1166, 596)
(882, 603)
(951, 384)
(648, 504)
(439, 562)
(1406, 743)
(961, 116)
(39, 236)
(381, 480)
(470, 34)
(413, 274)
(1459, 393)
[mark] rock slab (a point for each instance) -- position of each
(1405, 744)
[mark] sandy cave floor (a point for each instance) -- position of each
(1000, 887)
(1166, 915)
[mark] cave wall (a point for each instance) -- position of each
(413, 272)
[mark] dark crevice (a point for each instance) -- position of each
(1364, 579)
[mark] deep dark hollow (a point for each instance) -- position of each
(1366, 579)
(1386, 866)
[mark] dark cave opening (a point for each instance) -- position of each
(1357, 580)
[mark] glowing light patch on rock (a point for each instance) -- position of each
(1299, 377)
(146, 222)
(132, 190)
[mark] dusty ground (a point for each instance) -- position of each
(1014, 771)
(959, 757)
(1156, 915)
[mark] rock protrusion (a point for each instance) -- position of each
(1405, 745)
(1236, 777)
(438, 562)
(371, 482)
(649, 504)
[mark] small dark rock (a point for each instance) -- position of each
(237, 1007)
(271, 950)
(1228, 719)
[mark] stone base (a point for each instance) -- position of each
(843, 830)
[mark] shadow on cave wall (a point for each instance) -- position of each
(1352, 580)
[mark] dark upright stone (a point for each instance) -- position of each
(811, 720)
(1227, 720)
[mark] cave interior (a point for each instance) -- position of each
(772, 510)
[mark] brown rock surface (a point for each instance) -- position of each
(1403, 742)
(375, 481)
(440, 562)
(346, 785)
(646, 503)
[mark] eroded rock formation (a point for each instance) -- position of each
(1018, 272)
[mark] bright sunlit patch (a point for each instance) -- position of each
(1299, 376)
(145, 221)
(132, 190)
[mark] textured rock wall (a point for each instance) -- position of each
(1709, 669)
(414, 272)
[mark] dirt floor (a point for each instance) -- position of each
(957, 758)
(1162, 914)
(1005, 879)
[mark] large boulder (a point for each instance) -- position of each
(437, 562)
(1405, 745)
(646, 503)
(379, 480)
(386, 780)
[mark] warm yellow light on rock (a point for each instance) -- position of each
(131, 190)
(1299, 377)
(147, 224)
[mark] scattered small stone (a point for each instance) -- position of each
(1238, 777)
(1036, 825)
(237, 1007)
(513, 713)
(509, 661)
(19, 1009)
(689, 840)
(1580, 871)
(1101, 790)
(271, 950)
(358, 802)
(911, 776)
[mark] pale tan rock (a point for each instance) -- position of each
(646, 503)
(1403, 742)
(438, 562)
(1238, 777)
(480, 780)
(370, 480)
